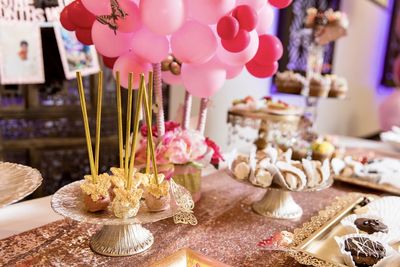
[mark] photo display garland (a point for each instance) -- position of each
(296, 39)
(21, 56)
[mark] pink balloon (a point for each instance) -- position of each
(98, 7)
(79, 15)
(389, 111)
(262, 71)
(194, 43)
(109, 62)
(247, 17)
(150, 46)
(170, 78)
(237, 44)
(233, 71)
(265, 19)
(203, 80)
(280, 3)
(84, 36)
(130, 62)
(227, 27)
(132, 21)
(256, 4)
(242, 57)
(66, 22)
(270, 49)
(162, 16)
(108, 43)
(209, 11)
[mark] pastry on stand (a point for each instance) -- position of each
(273, 170)
(289, 82)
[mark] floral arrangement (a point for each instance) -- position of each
(180, 146)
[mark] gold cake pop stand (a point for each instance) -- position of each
(278, 202)
(122, 237)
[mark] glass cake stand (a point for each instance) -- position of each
(122, 237)
(16, 182)
(278, 202)
(270, 126)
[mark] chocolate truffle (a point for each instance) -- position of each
(371, 226)
(364, 251)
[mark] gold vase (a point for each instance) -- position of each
(189, 176)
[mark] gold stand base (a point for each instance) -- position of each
(278, 204)
(121, 240)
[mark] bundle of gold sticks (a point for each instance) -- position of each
(121, 192)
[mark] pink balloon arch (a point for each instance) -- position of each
(211, 40)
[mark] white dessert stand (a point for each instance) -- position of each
(278, 202)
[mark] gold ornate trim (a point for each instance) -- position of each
(185, 203)
(319, 223)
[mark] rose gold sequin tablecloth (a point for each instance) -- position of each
(228, 231)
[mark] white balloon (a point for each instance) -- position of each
(265, 19)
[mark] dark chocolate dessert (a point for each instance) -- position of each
(371, 226)
(364, 251)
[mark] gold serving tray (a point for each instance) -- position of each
(314, 242)
(368, 184)
(188, 258)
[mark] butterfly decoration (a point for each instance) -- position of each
(111, 20)
(183, 199)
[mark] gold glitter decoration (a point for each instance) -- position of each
(126, 203)
(143, 177)
(158, 191)
(97, 189)
(118, 178)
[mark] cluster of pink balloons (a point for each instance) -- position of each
(213, 39)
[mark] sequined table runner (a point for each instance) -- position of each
(228, 231)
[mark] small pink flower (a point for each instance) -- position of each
(217, 155)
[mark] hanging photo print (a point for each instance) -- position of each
(75, 56)
(21, 59)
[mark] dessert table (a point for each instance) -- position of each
(228, 230)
